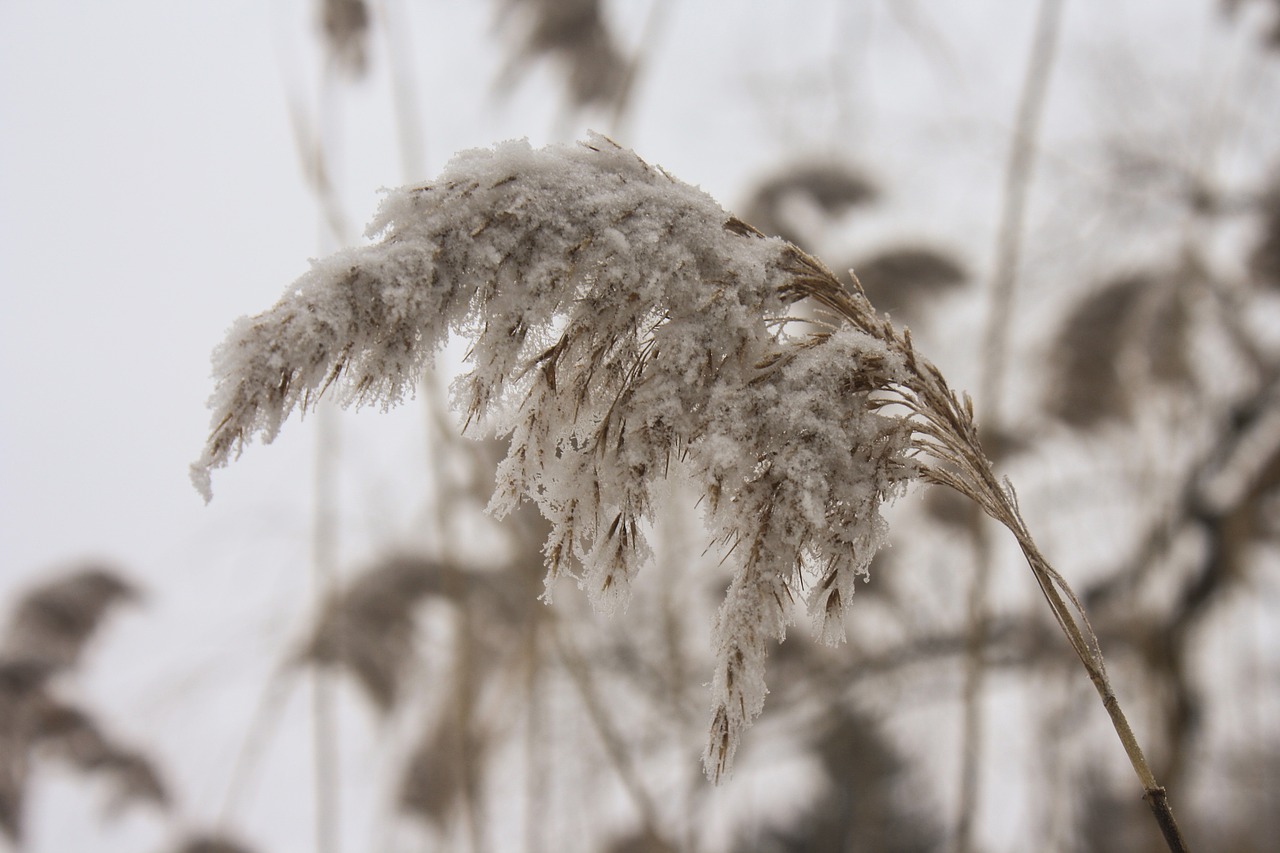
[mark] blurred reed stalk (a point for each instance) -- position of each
(994, 361)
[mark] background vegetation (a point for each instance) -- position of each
(1076, 211)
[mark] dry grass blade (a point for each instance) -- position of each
(831, 188)
(1086, 388)
(135, 780)
(905, 278)
(68, 733)
(445, 770)
(36, 726)
(1138, 322)
(574, 33)
(862, 797)
(53, 623)
(47, 634)
(368, 628)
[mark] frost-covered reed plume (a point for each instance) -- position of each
(621, 322)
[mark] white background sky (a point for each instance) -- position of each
(151, 192)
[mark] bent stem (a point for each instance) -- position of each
(970, 473)
(946, 439)
(1085, 643)
(972, 476)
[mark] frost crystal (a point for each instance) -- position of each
(619, 319)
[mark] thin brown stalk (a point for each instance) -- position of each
(1017, 184)
(443, 442)
(536, 732)
(621, 107)
(404, 95)
(315, 168)
(995, 358)
(975, 670)
(261, 728)
(463, 707)
(607, 730)
(324, 542)
(951, 455)
(323, 551)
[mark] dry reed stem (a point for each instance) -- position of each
(947, 439)
(994, 370)
(610, 736)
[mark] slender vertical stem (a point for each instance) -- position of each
(971, 735)
(441, 438)
(408, 117)
(537, 776)
(1017, 185)
(620, 109)
(324, 542)
(463, 705)
(994, 368)
(324, 535)
(605, 727)
(262, 726)
(1086, 647)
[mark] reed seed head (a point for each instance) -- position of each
(623, 325)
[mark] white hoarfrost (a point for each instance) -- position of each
(618, 319)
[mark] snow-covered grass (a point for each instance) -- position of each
(619, 318)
